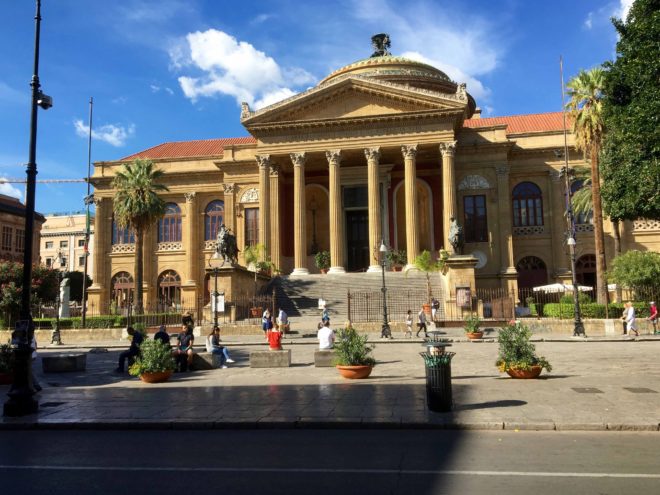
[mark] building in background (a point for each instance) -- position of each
(65, 232)
(12, 230)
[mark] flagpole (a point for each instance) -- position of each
(88, 200)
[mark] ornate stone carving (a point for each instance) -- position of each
(448, 149)
(523, 231)
(333, 157)
(372, 153)
(123, 248)
(502, 170)
(97, 201)
(250, 196)
(190, 196)
(275, 169)
(169, 246)
(381, 43)
(209, 245)
(644, 224)
(263, 161)
(473, 182)
(584, 227)
(555, 175)
(245, 110)
(298, 159)
(229, 188)
(461, 92)
(409, 150)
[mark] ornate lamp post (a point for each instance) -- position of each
(56, 337)
(21, 400)
(385, 331)
(215, 269)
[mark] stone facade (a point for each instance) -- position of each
(12, 230)
(65, 233)
(384, 149)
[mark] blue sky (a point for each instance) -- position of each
(174, 70)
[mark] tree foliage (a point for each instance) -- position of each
(44, 287)
(631, 113)
(636, 269)
(76, 285)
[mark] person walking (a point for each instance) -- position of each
(133, 350)
(435, 306)
(653, 316)
(283, 321)
(213, 346)
(421, 322)
(409, 324)
(629, 318)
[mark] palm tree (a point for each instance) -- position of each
(586, 110)
(137, 206)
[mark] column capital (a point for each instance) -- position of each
(263, 160)
(190, 196)
(409, 150)
(372, 153)
(555, 175)
(448, 148)
(97, 201)
(229, 188)
(502, 170)
(298, 159)
(275, 170)
(333, 156)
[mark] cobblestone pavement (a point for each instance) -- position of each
(600, 385)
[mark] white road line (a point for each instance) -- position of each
(432, 472)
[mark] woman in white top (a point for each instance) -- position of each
(629, 315)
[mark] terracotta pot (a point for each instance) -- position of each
(474, 335)
(354, 372)
(532, 372)
(397, 268)
(156, 377)
(324, 271)
(6, 378)
(255, 312)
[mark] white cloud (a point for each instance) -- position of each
(261, 18)
(156, 89)
(601, 16)
(589, 21)
(10, 190)
(115, 135)
(624, 8)
(234, 68)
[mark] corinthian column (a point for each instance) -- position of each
(264, 202)
(275, 233)
(102, 218)
(192, 229)
(412, 224)
(299, 227)
(336, 217)
(507, 264)
(375, 235)
(448, 191)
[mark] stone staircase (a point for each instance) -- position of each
(299, 295)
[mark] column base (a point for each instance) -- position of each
(300, 271)
(336, 269)
(374, 269)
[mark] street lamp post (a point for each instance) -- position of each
(215, 270)
(21, 395)
(385, 332)
(56, 337)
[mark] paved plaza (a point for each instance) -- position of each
(596, 385)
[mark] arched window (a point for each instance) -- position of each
(169, 291)
(122, 236)
(585, 270)
(532, 272)
(169, 227)
(122, 289)
(214, 217)
(527, 205)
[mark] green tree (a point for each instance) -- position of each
(76, 285)
(138, 206)
(44, 287)
(585, 105)
(629, 160)
(636, 269)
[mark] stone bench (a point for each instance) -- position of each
(324, 358)
(64, 362)
(270, 359)
(205, 361)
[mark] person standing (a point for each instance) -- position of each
(283, 321)
(326, 336)
(213, 346)
(409, 324)
(421, 322)
(133, 350)
(266, 322)
(653, 316)
(435, 306)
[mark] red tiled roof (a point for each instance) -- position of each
(516, 124)
(186, 149)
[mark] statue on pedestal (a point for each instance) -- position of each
(65, 295)
(456, 236)
(226, 245)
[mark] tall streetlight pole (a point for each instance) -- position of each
(215, 270)
(88, 199)
(21, 401)
(385, 332)
(578, 326)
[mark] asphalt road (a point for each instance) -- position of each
(328, 462)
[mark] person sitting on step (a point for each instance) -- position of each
(213, 346)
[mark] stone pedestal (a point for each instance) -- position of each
(324, 358)
(206, 361)
(459, 283)
(270, 359)
(64, 362)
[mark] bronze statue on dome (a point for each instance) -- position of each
(381, 44)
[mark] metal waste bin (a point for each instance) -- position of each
(438, 380)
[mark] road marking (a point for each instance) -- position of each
(433, 472)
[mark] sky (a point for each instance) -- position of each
(176, 70)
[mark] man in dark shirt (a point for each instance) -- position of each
(162, 335)
(132, 351)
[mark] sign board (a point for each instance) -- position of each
(321, 303)
(218, 301)
(463, 297)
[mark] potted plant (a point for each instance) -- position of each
(352, 354)
(155, 363)
(5, 364)
(517, 355)
(472, 324)
(322, 260)
(397, 259)
(425, 263)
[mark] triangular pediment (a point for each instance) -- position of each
(354, 97)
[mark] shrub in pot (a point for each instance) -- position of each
(517, 355)
(352, 354)
(322, 260)
(397, 258)
(155, 362)
(472, 324)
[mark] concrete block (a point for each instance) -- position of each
(206, 361)
(324, 358)
(64, 362)
(270, 359)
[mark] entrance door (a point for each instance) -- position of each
(357, 240)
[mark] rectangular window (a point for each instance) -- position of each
(49, 262)
(81, 242)
(474, 218)
(251, 226)
(20, 240)
(49, 245)
(81, 261)
(64, 244)
(7, 238)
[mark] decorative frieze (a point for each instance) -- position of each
(584, 227)
(169, 246)
(209, 245)
(123, 248)
(250, 195)
(473, 182)
(646, 225)
(525, 231)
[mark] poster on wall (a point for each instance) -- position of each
(218, 301)
(463, 297)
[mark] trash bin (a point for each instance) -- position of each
(438, 380)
